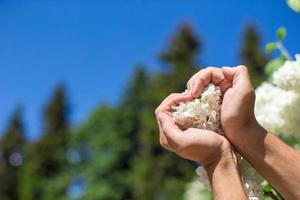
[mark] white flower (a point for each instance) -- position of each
(288, 76)
(251, 179)
(278, 110)
(270, 103)
(203, 113)
(196, 190)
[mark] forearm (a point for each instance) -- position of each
(277, 162)
(225, 179)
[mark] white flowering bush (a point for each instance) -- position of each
(205, 113)
(277, 106)
(287, 76)
(197, 190)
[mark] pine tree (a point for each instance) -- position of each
(105, 144)
(11, 156)
(46, 158)
(156, 173)
(251, 55)
(181, 57)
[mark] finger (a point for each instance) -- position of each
(204, 77)
(172, 100)
(191, 81)
(166, 106)
(170, 129)
(164, 142)
(239, 76)
(162, 139)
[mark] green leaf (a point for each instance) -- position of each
(268, 188)
(294, 5)
(273, 65)
(281, 33)
(270, 47)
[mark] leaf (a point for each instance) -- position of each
(294, 5)
(281, 33)
(268, 188)
(273, 65)
(270, 47)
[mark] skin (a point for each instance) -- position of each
(211, 150)
(278, 163)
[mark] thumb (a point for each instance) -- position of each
(239, 76)
(170, 129)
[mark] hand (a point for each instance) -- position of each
(267, 153)
(210, 149)
(237, 112)
(202, 146)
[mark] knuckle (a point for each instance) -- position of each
(250, 93)
(181, 148)
(243, 67)
(157, 111)
(163, 143)
(173, 95)
(211, 68)
(189, 84)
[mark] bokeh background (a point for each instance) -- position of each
(80, 81)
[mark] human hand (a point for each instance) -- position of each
(202, 146)
(237, 112)
(210, 149)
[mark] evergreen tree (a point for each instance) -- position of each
(45, 159)
(11, 156)
(156, 173)
(252, 56)
(102, 149)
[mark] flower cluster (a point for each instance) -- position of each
(277, 105)
(196, 190)
(205, 113)
(287, 76)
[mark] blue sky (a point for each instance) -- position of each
(93, 46)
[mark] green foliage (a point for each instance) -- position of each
(270, 193)
(56, 112)
(115, 153)
(273, 65)
(11, 156)
(270, 47)
(99, 154)
(281, 33)
(125, 159)
(252, 57)
(45, 159)
(158, 174)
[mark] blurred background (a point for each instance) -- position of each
(80, 80)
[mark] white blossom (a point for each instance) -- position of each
(203, 113)
(270, 103)
(288, 76)
(277, 106)
(196, 190)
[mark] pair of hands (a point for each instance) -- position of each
(237, 116)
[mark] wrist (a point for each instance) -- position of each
(228, 186)
(226, 159)
(251, 131)
(248, 140)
